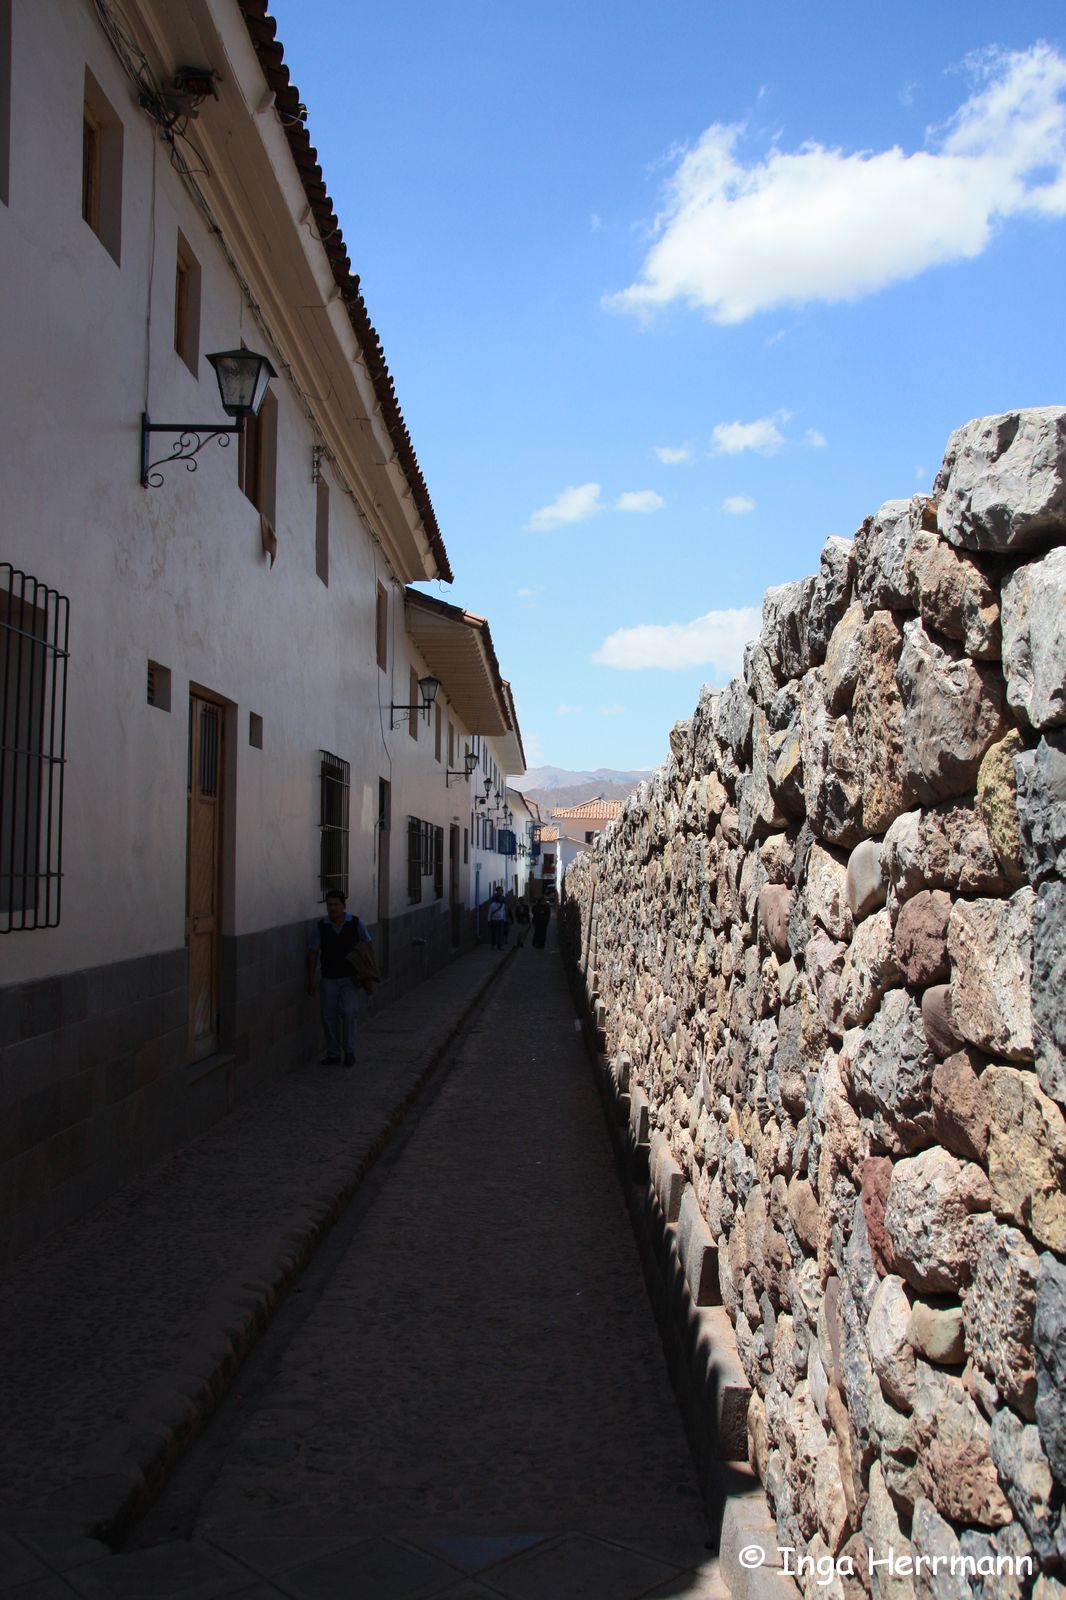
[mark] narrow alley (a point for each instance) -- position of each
(466, 1394)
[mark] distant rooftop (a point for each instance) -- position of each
(598, 810)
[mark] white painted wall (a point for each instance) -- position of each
(176, 574)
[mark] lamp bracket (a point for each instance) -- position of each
(405, 712)
(184, 449)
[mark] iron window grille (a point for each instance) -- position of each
(334, 791)
(34, 633)
(414, 861)
(438, 863)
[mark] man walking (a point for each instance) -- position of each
(332, 940)
(498, 917)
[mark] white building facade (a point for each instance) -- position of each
(205, 680)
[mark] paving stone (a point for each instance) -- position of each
(150, 1283)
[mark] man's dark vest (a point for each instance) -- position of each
(336, 946)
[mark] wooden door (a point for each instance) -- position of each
(453, 886)
(384, 833)
(203, 881)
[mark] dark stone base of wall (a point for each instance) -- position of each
(95, 1080)
(702, 1383)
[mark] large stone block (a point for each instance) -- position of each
(832, 591)
(946, 848)
(938, 1556)
(697, 1251)
(990, 944)
(867, 879)
(892, 1074)
(1034, 640)
(1041, 799)
(870, 968)
(827, 895)
(881, 548)
(843, 653)
(890, 1348)
(960, 1105)
(998, 1311)
(953, 710)
(931, 1199)
(1049, 1340)
(1026, 1154)
(997, 803)
(951, 593)
(954, 1452)
(832, 779)
(922, 938)
(1048, 975)
(1002, 485)
(1024, 1471)
(877, 722)
(935, 1332)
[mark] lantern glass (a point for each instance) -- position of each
(243, 377)
(427, 688)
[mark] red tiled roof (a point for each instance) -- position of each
(546, 833)
(262, 30)
(592, 810)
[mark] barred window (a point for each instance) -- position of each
(34, 625)
(414, 861)
(438, 863)
(335, 788)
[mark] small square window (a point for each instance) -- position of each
(101, 167)
(383, 627)
(322, 531)
(187, 306)
(255, 730)
(158, 686)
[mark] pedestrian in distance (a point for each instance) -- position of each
(542, 913)
(521, 918)
(497, 918)
(333, 938)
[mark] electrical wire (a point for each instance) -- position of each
(153, 101)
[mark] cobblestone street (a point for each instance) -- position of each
(476, 1403)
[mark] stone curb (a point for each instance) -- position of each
(680, 1266)
(132, 1466)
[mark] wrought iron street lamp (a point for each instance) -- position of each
(243, 378)
(427, 689)
(465, 771)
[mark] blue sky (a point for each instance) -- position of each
(673, 291)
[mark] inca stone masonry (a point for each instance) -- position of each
(827, 943)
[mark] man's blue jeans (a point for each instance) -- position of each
(340, 1014)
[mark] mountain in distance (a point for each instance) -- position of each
(554, 786)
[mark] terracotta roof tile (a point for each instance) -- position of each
(591, 810)
(262, 30)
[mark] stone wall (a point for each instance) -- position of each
(828, 943)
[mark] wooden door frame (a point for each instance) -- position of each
(222, 837)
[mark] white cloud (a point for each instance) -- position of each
(921, 474)
(716, 639)
(671, 455)
(639, 500)
(818, 224)
(816, 440)
(533, 745)
(737, 504)
(595, 222)
(569, 711)
(575, 504)
(612, 711)
(529, 593)
(763, 436)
